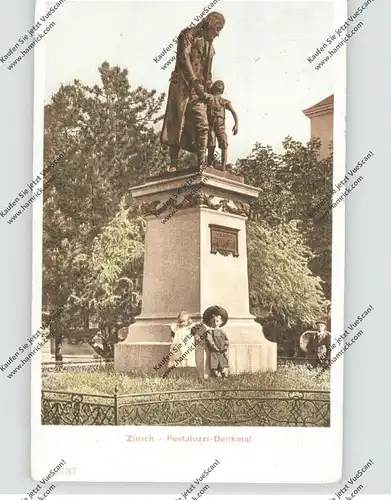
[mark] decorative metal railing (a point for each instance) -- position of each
(211, 407)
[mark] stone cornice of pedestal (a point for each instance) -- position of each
(209, 181)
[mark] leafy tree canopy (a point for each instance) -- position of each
(280, 281)
(296, 186)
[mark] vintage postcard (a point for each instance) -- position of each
(188, 206)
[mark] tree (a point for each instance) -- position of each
(265, 169)
(108, 135)
(289, 246)
(280, 281)
(296, 186)
(114, 267)
(310, 179)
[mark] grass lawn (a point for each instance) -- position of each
(289, 377)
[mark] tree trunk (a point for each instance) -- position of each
(57, 335)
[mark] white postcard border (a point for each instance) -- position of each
(275, 455)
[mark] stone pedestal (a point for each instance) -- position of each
(195, 257)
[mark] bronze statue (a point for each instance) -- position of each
(216, 116)
(186, 121)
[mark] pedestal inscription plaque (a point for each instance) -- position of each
(224, 240)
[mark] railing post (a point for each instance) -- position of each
(76, 402)
(116, 405)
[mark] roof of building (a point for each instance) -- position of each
(323, 107)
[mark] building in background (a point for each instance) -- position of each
(322, 118)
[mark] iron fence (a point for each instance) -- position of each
(210, 407)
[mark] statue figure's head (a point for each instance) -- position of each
(217, 87)
(212, 25)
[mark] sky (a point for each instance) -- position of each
(261, 55)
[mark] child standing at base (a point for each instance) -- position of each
(217, 341)
(182, 348)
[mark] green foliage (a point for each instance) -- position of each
(280, 280)
(113, 267)
(296, 186)
(264, 168)
(311, 184)
(289, 248)
(108, 135)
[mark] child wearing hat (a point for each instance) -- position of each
(217, 340)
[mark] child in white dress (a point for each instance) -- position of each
(182, 351)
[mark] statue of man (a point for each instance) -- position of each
(186, 122)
